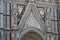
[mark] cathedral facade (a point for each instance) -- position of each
(29, 20)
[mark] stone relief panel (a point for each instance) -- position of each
(32, 22)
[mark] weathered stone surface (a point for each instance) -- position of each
(31, 36)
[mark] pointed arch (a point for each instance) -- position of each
(26, 14)
(38, 18)
(35, 30)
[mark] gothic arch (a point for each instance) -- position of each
(27, 13)
(34, 30)
(22, 31)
